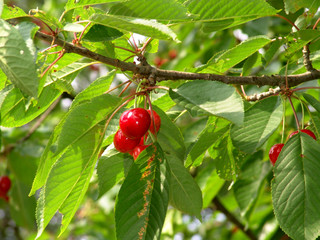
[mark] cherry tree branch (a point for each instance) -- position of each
(233, 219)
(158, 75)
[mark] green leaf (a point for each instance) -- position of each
(100, 33)
(27, 31)
(211, 188)
(294, 5)
(110, 171)
(300, 39)
(295, 187)
(170, 137)
(96, 88)
(313, 101)
(142, 26)
(73, 27)
(260, 121)
(209, 97)
(228, 159)
(9, 12)
(235, 55)
(81, 119)
(142, 201)
(68, 180)
(71, 4)
(17, 110)
(272, 50)
(249, 64)
(185, 194)
(22, 207)
(214, 130)
(16, 61)
(155, 9)
(227, 13)
(252, 180)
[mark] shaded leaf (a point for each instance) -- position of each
(214, 130)
(294, 187)
(98, 33)
(185, 194)
(209, 97)
(170, 137)
(260, 121)
(110, 171)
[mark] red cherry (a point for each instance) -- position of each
(173, 54)
(274, 152)
(137, 150)
(5, 184)
(157, 121)
(124, 144)
(135, 123)
(307, 131)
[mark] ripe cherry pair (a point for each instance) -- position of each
(134, 126)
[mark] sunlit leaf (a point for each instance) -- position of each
(16, 61)
(209, 97)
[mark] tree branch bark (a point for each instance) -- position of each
(163, 75)
(233, 219)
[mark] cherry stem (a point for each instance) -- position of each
(125, 88)
(110, 90)
(125, 49)
(53, 63)
(283, 120)
(48, 48)
(294, 113)
(289, 21)
(85, 28)
(145, 45)
(316, 24)
(152, 117)
(302, 88)
(302, 112)
(182, 113)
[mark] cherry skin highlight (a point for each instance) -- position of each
(307, 131)
(274, 152)
(157, 121)
(134, 123)
(124, 144)
(5, 184)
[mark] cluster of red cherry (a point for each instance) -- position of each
(134, 126)
(5, 184)
(276, 149)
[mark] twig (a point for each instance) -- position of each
(316, 24)
(163, 75)
(306, 59)
(259, 96)
(289, 21)
(233, 219)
